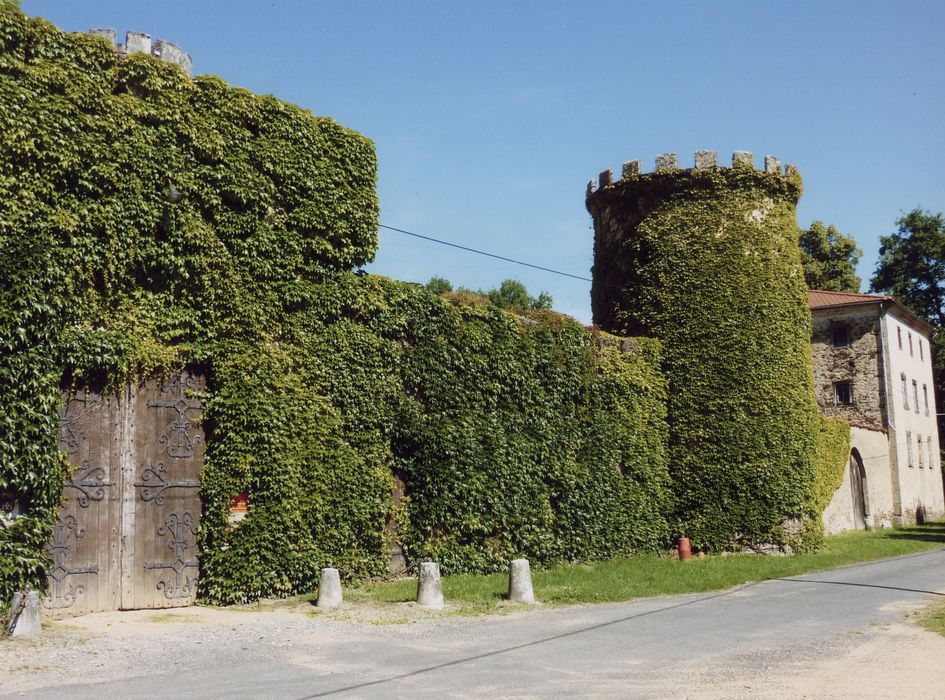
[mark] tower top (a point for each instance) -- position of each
(139, 42)
(704, 161)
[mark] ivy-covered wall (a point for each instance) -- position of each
(833, 455)
(513, 437)
(707, 261)
(148, 220)
(102, 276)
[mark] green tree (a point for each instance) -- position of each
(511, 294)
(439, 285)
(829, 259)
(911, 267)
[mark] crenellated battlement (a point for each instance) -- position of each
(139, 42)
(704, 160)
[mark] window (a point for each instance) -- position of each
(905, 391)
(921, 353)
(909, 448)
(910, 344)
(915, 395)
(928, 449)
(843, 393)
(925, 397)
(921, 456)
(899, 331)
(840, 335)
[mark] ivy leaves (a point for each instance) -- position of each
(512, 437)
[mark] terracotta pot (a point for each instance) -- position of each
(685, 548)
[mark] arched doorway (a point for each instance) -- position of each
(858, 487)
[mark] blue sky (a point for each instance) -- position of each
(490, 117)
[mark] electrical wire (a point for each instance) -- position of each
(489, 255)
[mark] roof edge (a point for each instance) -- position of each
(883, 301)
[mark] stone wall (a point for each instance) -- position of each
(859, 363)
(873, 448)
(139, 42)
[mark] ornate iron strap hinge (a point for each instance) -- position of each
(153, 483)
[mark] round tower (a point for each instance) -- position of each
(707, 260)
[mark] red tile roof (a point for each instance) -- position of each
(819, 299)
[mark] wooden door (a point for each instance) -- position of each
(126, 536)
(161, 496)
(85, 573)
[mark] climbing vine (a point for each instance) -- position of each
(103, 276)
(148, 220)
(833, 454)
(512, 436)
(708, 262)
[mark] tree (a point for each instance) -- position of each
(511, 294)
(439, 285)
(911, 267)
(829, 259)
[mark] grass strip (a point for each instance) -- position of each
(625, 578)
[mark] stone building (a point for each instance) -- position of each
(873, 367)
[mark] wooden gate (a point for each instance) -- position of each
(126, 534)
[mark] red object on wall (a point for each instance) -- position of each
(240, 502)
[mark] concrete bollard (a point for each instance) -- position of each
(429, 591)
(520, 582)
(27, 623)
(329, 589)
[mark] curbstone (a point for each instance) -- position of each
(27, 622)
(429, 589)
(520, 582)
(329, 589)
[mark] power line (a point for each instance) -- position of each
(489, 255)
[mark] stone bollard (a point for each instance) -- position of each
(27, 623)
(520, 582)
(429, 591)
(329, 589)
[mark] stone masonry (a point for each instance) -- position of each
(860, 363)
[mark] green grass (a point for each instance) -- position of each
(932, 618)
(643, 576)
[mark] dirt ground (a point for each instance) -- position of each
(899, 660)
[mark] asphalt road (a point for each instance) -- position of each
(659, 647)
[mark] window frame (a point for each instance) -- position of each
(847, 340)
(838, 387)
